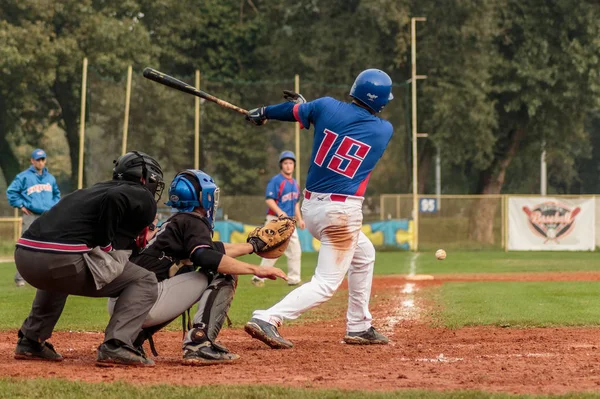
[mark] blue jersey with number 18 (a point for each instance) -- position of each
(349, 141)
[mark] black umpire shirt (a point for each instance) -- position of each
(109, 214)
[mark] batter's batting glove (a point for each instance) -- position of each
(293, 97)
(257, 116)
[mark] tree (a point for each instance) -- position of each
(545, 83)
(110, 35)
(502, 79)
(25, 102)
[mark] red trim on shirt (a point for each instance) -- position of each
(363, 186)
(53, 246)
(297, 115)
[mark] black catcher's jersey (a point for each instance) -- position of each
(108, 214)
(175, 241)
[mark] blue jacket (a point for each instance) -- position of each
(36, 192)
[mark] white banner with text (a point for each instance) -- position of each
(551, 224)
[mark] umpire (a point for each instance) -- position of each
(81, 247)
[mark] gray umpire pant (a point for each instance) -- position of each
(175, 296)
(56, 276)
(26, 220)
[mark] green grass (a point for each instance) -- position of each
(519, 304)
(60, 389)
(90, 314)
(501, 262)
(7, 248)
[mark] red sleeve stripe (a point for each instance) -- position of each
(297, 115)
(363, 186)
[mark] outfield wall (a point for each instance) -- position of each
(455, 222)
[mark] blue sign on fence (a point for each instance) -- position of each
(428, 205)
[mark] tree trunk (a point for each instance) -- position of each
(491, 180)
(69, 114)
(8, 161)
(424, 168)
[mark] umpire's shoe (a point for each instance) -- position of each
(28, 349)
(206, 354)
(367, 337)
(267, 333)
(112, 354)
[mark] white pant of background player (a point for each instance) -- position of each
(344, 249)
(294, 255)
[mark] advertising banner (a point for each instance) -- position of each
(551, 224)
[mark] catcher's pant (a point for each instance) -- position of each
(58, 275)
(175, 296)
(293, 253)
(26, 221)
(344, 249)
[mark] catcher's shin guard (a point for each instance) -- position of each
(200, 347)
(214, 305)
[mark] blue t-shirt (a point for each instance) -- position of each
(285, 192)
(348, 143)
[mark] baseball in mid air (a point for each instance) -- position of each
(440, 254)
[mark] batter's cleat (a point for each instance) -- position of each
(367, 337)
(267, 333)
(20, 283)
(28, 349)
(294, 283)
(258, 282)
(111, 355)
(206, 354)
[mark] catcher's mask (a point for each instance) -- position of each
(192, 188)
(137, 166)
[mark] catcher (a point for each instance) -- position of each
(182, 244)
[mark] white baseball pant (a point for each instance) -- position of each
(293, 254)
(344, 249)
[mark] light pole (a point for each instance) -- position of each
(415, 135)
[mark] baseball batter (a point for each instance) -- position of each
(186, 239)
(282, 200)
(349, 140)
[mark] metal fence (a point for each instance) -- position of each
(467, 222)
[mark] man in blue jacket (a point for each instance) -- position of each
(33, 191)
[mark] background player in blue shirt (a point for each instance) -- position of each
(282, 198)
(33, 191)
(349, 140)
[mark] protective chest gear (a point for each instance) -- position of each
(373, 88)
(193, 188)
(287, 155)
(136, 165)
(271, 240)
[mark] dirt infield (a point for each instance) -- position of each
(538, 360)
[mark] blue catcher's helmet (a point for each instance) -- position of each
(287, 155)
(192, 188)
(373, 88)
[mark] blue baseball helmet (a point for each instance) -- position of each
(373, 88)
(192, 188)
(287, 155)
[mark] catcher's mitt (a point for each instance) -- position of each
(271, 240)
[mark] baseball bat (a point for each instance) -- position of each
(159, 77)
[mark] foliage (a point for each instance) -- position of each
(504, 76)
